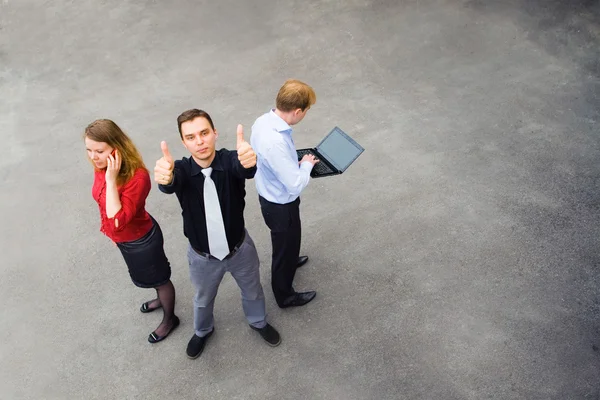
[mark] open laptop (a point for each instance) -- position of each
(336, 152)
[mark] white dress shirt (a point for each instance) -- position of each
(279, 178)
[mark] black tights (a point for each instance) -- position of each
(166, 297)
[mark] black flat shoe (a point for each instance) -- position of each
(196, 345)
(298, 299)
(301, 261)
(269, 334)
(154, 338)
(145, 308)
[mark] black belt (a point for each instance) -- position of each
(235, 249)
(264, 201)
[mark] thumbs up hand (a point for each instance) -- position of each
(246, 154)
(163, 170)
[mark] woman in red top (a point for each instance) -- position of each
(121, 186)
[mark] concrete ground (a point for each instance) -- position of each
(456, 259)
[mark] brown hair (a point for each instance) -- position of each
(191, 115)
(106, 131)
(295, 94)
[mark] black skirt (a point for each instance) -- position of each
(146, 260)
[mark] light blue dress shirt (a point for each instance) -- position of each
(279, 178)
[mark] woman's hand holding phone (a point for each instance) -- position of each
(113, 165)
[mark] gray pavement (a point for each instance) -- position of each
(456, 259)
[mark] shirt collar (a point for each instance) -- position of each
(280, 124)
(215, 165)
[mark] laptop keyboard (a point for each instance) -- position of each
(319, 168)
(302, 153)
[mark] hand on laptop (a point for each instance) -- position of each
(310, 158)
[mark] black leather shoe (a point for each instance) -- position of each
(301, 261)
(145, 308)
(298, 299)
(270, 335)
(196, 345)
(154, 338)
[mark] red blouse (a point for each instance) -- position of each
(133, 220)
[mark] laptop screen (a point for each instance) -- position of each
(339, 149)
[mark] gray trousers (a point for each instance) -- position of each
(206, 274)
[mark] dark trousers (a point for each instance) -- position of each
(284, 222)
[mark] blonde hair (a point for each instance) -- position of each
(295, 94)
(106, 131)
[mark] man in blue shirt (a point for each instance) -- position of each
(280, 179)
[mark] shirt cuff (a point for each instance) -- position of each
(306, 166)
(116, 220)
